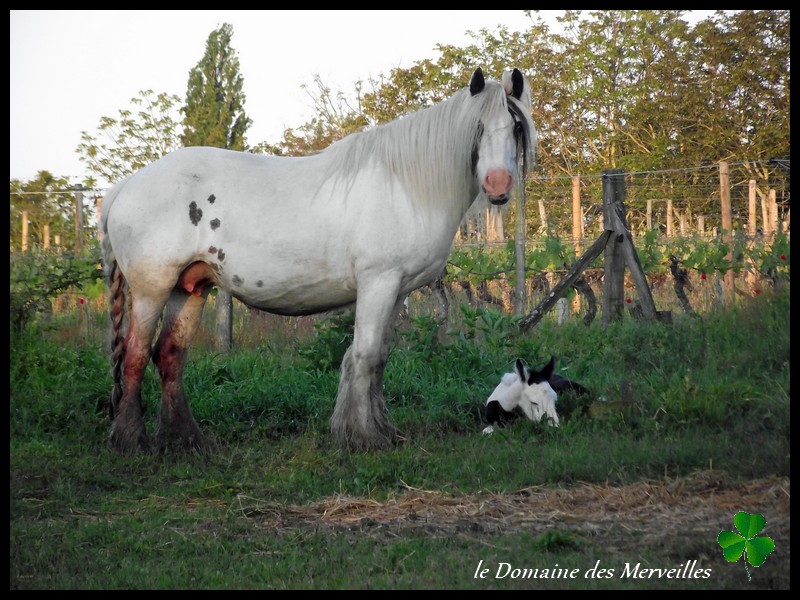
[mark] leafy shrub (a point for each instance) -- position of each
(40, 275)
(334, 336)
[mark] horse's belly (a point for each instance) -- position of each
(295, 295)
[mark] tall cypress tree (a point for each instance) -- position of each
(214, 116)
(214, 111)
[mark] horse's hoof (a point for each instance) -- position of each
(186, 441)
(136, 443)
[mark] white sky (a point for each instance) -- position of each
(69, 68)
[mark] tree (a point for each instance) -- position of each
(133, 140)
(214, 116)
(336, 118)
(46, 202)
(214, 111)
(640, 90)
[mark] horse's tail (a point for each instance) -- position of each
(117, 284)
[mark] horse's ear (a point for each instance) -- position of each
(520, 369)
(547, 372)
(517, 83)
(477, 83)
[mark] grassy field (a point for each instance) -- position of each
(694, 428)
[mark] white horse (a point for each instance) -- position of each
(364, 222)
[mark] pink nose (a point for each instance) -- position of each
(497, 183)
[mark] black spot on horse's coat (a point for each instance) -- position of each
(259, 283)
(212, 250)
(211, 199)
(237, 280)
(221, 254)
(195, 214)
(214, 223)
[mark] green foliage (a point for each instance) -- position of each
(335, 118)
(246, 516)
(39, 275)
(641, 90)
(214, 110)
(333, 337)
(773, 260)
(553, 255)
(651, 255)
(48, 201)
(487, 325)
(705, 256)
(478, 263)
(136, 137)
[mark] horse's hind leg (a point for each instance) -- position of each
(177, 428)
(128, 434)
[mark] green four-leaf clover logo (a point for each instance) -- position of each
(754, 548)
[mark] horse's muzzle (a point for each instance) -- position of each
(498, 200)
(497, 186)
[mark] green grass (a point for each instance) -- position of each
(710, 392)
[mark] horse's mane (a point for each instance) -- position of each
(430, 150)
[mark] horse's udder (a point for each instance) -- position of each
(195, 278)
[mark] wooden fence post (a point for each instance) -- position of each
(542, 216)
(224, 316)
(79, 217)
(24, 230)
(622, 234)
(752, 228)
(727, 226)
(773, 213)
(577, 231)
(46, 236)
(614, 265)
(669, 218)
(98, 202)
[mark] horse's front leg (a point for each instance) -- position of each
(360, 420)
(177, 428)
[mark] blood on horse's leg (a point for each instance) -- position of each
(128, 433)
(177, 428)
